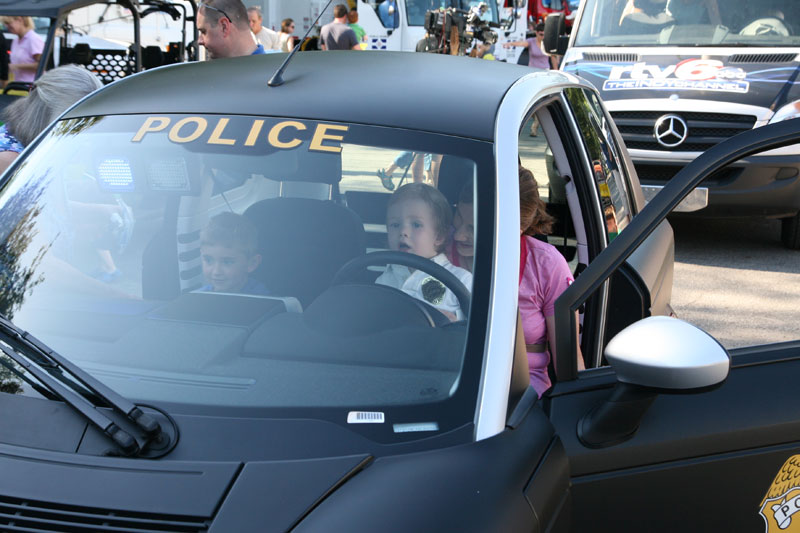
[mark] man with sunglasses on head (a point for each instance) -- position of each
(224, 29)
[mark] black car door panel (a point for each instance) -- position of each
(698, 461)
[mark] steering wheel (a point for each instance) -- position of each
(351, 269)
(382, 296)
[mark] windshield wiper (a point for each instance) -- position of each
(35, 356)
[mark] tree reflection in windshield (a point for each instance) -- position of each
(17, 218)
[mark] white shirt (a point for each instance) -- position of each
(269, 39)
(411, 283)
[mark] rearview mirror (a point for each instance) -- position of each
(555, 40)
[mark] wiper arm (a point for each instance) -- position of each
(23, 343)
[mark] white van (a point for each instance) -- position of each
(680, 76)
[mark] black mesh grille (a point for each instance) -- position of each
(611, 57)
(34, 516)
(704, 129)
(111, 66)
(762, 58)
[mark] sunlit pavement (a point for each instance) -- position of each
(735, 279)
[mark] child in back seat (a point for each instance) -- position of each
(228, 251)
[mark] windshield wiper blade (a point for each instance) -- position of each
(23, 342)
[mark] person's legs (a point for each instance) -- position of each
(417, 168)
(403, 160)
(535, 126)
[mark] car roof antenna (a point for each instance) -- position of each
(277, 79)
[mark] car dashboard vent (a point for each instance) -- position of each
(35, 516)
(611, 57)
(762, 58)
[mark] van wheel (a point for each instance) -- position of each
(790, 232)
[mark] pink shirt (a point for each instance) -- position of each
(536, 57)
(545, 277)
(22, 51)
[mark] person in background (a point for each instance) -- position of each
(337, 35)
(352, 18)
(26, 49)
(224, 29)
(27, 117)
(51, 95)
(482, 50)
(543, 275)
(423, 167)
(285, 36)
(269, 39)
(537, 58)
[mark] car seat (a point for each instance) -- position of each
(454, 174)
(303, 243)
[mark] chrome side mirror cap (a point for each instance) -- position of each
(669, 354)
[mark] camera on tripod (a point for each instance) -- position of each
(451, 30)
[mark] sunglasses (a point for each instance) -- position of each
(218, 10)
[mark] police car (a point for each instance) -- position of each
(141, 393)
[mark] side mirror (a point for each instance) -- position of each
(669, 354)
(655, 355)
(555, 40)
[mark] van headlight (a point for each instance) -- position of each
(788, 111)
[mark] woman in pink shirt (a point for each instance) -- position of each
(537, 58)
(26, 49)
(543, 276)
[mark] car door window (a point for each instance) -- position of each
(604, 155)
(536, 154)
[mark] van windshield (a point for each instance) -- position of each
(199, 261)
(769, 23)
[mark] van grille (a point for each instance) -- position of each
(34, 516)
(705, 129)
(611, 57)
(762, 58)
(651, 173)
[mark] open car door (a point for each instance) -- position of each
(647, 448)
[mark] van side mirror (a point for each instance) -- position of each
(555, 39)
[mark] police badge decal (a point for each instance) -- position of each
(433, 291)
(782, 500)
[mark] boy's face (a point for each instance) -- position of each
(226, 268)
(411, 228)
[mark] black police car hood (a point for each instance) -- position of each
(768, 80)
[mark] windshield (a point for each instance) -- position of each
(416, 9)
(190, 261)
(770, 23)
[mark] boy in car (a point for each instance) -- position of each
(418, 221)
(228, 253)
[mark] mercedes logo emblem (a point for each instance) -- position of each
(670, 130)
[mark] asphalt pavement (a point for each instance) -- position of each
(734, 279)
